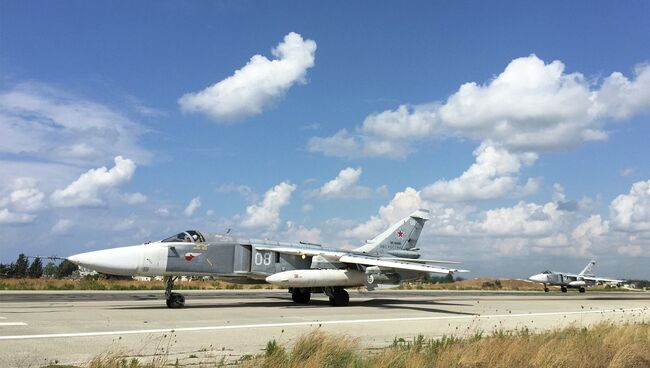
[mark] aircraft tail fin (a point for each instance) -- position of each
(400, 238)
(589, 269)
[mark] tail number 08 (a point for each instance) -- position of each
(263, 259)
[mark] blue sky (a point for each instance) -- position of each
(362, 114)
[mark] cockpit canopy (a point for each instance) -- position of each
(189, 236)
(547, 272)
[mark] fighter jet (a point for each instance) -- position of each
(569, 280)
(304, 268)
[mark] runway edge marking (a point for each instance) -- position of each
(310, 323)
(12, 324)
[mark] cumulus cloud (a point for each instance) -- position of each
(24, 195)
(9, 217)
(493, 175)
(194, 205)
(343, 186)
(523, 219)
(631, 212)
(257, 85)
(516, 230)
(296, 233)
(39, 122)
(89, 188)
(267, 212)
(531, 106)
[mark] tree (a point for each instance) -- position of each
(65, 269)
(20, 268)
(36, 269)
(50, 270)
(6, 270)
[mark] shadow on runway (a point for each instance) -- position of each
(281, 302)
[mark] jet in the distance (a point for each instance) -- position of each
(568, 280)
(304, 268)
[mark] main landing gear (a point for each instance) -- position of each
(174, 300)
(546, 288)
(563, 289)
(581, 290)
(338, 297)
(301, 296)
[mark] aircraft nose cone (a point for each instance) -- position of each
(538, 278)
(116, 261)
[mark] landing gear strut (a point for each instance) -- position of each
(545, 288)
(300, 296)
(174, 300)
(338, 297)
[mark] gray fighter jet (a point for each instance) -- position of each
(568, 280)
(303, 268)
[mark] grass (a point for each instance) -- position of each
(109, 284)
(491, 284)
(602, 345)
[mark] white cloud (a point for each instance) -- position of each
(344, 186)
(400, 205)
(134, 198)
(524, 219)
(40, 122)
(194, 205)
(628, 171)
(493, 175)
(531, 106)
(24, 195)
(258, 84)
(267, 212)
(61, 227)
(89, 188)
(9, 217)
(162, 211)
(297, 233)
(243, 190)
(631, 212)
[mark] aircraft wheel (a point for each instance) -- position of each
(301, 297)
(546, 290)
(176, 300)
(340, 298)
(581, 290)
(563, 289)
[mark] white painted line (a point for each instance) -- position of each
(3, 317)
(13, 324)
(312, 323)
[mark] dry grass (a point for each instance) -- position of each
(489, 284)
(108, 284)
(603, 345)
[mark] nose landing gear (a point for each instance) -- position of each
(174, 300)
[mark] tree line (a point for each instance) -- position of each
(23, 269)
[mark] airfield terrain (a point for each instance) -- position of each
(39, 327)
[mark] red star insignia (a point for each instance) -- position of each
(400, 233)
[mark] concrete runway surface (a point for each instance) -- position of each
(40, 327)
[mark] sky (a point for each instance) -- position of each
(522, 127)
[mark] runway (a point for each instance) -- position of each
(37, 328)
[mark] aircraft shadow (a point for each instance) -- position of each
(417, 305)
